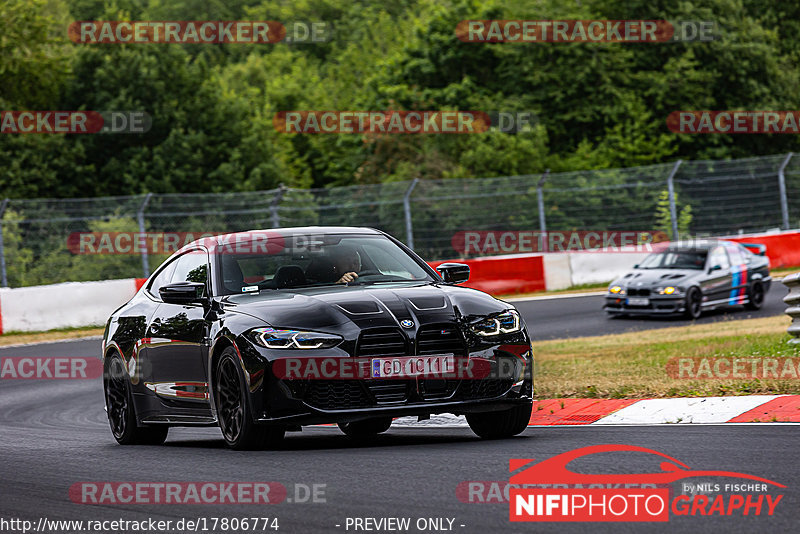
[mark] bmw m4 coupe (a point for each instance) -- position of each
(263, 332)
(691, 277)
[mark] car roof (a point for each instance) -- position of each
(211, 243)
(698, 244)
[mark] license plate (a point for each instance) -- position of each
(638, 301)
(410, 366)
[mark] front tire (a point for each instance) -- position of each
(755, 296)
(503, 424)
(694, 300)
(121, 413)
(233, 410)
(366, 428)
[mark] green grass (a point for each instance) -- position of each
(633, 365)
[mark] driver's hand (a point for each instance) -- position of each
(347, 278)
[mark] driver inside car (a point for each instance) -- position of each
(346, 264)
(339, 265)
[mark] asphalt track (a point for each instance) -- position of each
(53, 433)
(568, 317)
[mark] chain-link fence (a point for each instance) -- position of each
(697, 198)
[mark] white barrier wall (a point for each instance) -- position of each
(72, 304)
(598, 268)
(557, 271)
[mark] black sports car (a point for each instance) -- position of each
(691, 277)
(262, 332)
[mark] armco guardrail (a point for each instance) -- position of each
(793, 300)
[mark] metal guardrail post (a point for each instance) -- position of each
(673, 210)
(3, 276)
(793, 300)
(782, 189)
(275, 217)
(540, 203)
(140, 220)
(407, 213)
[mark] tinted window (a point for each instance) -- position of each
(308, 260)
(161, 279)
(191, 267)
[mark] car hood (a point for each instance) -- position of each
(367, 306)
(647, 278)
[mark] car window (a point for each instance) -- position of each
(735, 256)
(746, 254)
(161, 279)
(719, 257)
(191, 267)
(313, 260)
(675, 259)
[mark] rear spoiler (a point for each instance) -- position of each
(756, 248)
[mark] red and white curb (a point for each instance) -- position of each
(692, 410)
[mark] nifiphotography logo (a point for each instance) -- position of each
(548, 491)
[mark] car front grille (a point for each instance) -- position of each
(440, 339)
(435, 339)
(633, 292)
(336, 395)
(484, 389)
(379, 342)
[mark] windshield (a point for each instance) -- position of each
(684, 259)
(308, 261)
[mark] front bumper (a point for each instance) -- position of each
(656, 305)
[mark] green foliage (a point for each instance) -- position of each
(597, 106)
(664, 218)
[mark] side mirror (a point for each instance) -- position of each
(636, 266)
(182, 292)
(454, 273)
(714, 268)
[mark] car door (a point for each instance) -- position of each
(739, 275)
(177, 340)
(717, 286)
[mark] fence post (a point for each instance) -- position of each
(140, 220)
(3, 277)
(673, 210)
(782, 189)
(792, 281)
(407, 213)
(540, 200)
(275, 217)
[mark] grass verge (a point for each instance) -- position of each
(60, 334)
(633, 365)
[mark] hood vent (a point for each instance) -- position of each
(367, 307)
(428, 303)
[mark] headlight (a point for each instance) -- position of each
(615, 289)
(669, 290)
(505, 323)
(272, 338)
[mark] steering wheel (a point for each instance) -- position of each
(368, 272)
